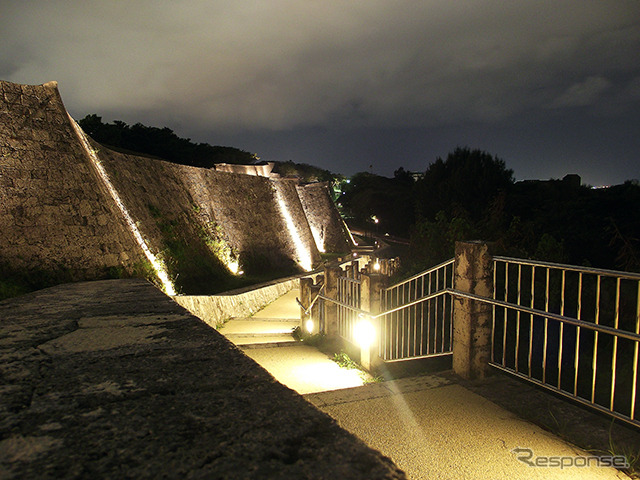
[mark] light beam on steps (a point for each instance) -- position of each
(102, 173)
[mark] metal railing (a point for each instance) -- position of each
(417, 318)
(572, 330)
(348, 306)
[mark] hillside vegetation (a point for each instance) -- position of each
(164, 144)
(473, 195)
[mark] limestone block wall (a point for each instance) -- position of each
(57, 210)
(237, 212)
(329, 230)
(54, 212)
(216, 309)
(247, 209)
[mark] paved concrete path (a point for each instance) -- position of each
(433, 428)
(285, 307)
(306, 369)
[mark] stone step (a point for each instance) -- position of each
(255, 340)
(265, 319)
(249, 326)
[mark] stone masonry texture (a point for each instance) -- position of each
(112, 379)
(324, 217)
(55, 211)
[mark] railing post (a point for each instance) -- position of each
(472, 320)
(306, 297)
(315, 310)
(331, 275)
(371, 301)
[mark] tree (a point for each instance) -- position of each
(467, 181)
(162, 143)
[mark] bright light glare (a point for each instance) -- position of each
(234, 267)
(309, 325)
(365, 332)
(157, 265)
(302, 252)
(376, 266)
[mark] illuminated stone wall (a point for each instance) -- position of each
(329, 231)
(230, 211)
(258, 170)
(56, 211)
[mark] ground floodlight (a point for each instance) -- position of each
(365, 332)
(309, 325)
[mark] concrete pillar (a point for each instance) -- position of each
(371, 301)
(472, 320)
(331, 275)
(315, 310)
(305, 297)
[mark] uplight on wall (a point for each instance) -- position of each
(156, 263)
(303, 252)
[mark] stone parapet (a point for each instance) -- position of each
(216, 309)
(113, 379)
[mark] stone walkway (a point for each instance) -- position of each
(114, 380)
(271, 325)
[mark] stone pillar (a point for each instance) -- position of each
(371, 301)
(331, 275)
(472, 319)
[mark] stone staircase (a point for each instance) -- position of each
(270, 327)
(254, 332)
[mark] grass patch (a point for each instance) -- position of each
(344, 361)
(631, 453)
(14, 282)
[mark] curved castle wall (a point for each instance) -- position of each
(57, 212)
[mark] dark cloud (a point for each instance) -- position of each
(290, 78)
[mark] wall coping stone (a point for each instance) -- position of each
(112, 379)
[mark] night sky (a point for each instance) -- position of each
(550, 86)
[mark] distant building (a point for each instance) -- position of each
(572, 180)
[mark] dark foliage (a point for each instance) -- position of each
(162, 143)
(368, 197)
(556, 220)
(464, 183)
(472, 195)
